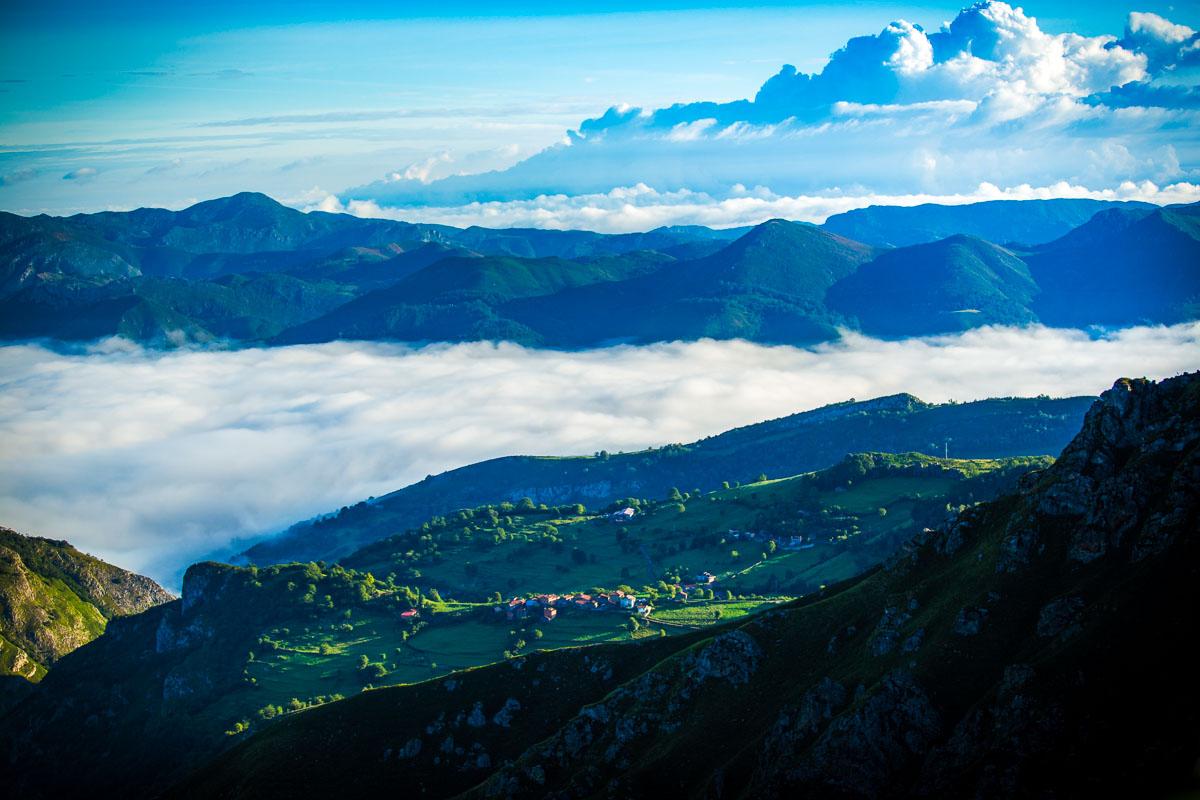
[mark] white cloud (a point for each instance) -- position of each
(151, 459)
(989, 97)
(422, 171)
(81, 175)
(640, 207)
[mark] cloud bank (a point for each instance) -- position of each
(154, 459)
(989, 97)
(641, 207)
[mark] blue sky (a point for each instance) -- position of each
(308, 102)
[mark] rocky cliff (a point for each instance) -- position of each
(54, 599)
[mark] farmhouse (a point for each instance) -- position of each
(549, 613)
(624, 515)
(412, 613)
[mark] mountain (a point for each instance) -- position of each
(245, 648)
(766, 285)
(245, 269)
(463, 299)
(250, 232)
(1123, 267)
(54, 599)
(1036, 646)
(1028, 222)
(787, 446)
(956, 283)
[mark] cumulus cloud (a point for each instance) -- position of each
(641, 207)
(1165, 44)
(152, 459)
(989, 96)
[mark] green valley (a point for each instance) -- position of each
(247, 647)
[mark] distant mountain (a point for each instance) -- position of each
(957, 283)
(766, 286)
(245, 269)
(54, 599)
(786, 446)
(1028, 222)
(1038, 645)
(463, 298)
(1123, 267)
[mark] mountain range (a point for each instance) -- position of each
(810, 440)
(247, 270)
(1030, 642)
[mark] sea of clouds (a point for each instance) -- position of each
(154, 459)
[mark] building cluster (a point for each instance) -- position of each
(547, 606)
(795, 542)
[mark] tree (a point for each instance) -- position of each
(762, 478)
(734, 554)
(675, 494)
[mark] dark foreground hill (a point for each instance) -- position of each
(787, 446)
(1038, 646)
(53, 599)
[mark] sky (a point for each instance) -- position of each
(153, 459)
(465, 112)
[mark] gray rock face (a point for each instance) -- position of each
(970, 621)
(504, 716)
(731, 657)
(862, 750)
(1060, 618)
(887, 632)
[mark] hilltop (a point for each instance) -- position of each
(1033, 645)
(802, 442)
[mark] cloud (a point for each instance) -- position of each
(420, 171)
(1165, 44)
(641, 207)
(166, 166)
(989, 97)
(17, 176)
(152, 459)
(81, 174)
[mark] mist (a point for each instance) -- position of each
(154, 459)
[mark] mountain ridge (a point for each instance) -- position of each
(230, 271)
(975, 663)
(789, 445)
